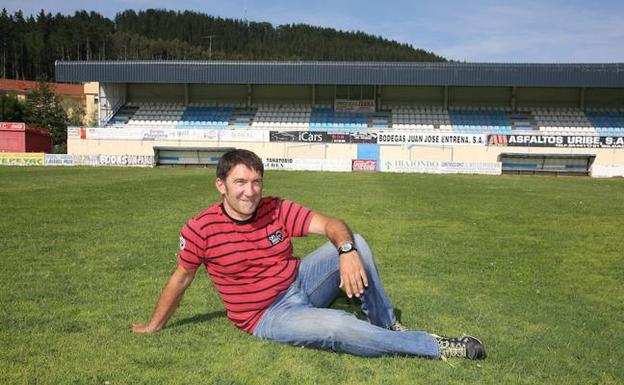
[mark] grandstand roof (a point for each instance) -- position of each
(362, 73)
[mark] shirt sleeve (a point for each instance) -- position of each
(191, 252)
(295, 218)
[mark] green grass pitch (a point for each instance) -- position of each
(532, 265)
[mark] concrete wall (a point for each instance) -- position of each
(268, 149)
(604, 97)
(91, 92)
(389, 95)
(548, 97)
(606, 157)
(300, 94)
(479, 96)
(404, 95)
(325, 94)
(217, 93)
(168, 93)
(112, 96)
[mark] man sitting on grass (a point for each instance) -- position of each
(244, 242)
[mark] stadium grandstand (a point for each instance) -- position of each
(401, 117)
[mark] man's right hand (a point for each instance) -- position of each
(169, 299)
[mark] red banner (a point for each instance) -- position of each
(12, 126)
(364, 165)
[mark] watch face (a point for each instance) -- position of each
(346, 247)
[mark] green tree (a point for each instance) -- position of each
(30, 44)
(44, 109)
(75, 112)
(11, 109)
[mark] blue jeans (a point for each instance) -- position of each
(300, 317)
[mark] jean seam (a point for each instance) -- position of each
(323, 280)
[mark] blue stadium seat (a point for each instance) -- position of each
(329, 119)
(217, 117)
(607, 123)
(480, 122)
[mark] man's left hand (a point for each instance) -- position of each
(353, 278)
(142, 329)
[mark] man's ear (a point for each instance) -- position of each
(220, 185)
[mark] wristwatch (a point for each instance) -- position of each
(346, 247)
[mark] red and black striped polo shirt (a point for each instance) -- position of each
(251, 263)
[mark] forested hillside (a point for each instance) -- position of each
(29, 45)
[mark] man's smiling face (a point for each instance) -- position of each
(241, 191)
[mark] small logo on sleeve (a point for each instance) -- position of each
(276, 237)
(182, 243)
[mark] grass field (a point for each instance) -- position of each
(532, 265)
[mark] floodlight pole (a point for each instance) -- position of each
(209, 37)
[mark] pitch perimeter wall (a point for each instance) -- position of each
(387, 157)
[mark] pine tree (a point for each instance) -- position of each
(11, 109)
(44, 109)
(29, 46)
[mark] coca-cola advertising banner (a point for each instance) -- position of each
(364, 165)
(9, 126)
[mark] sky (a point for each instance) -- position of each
(547, 31)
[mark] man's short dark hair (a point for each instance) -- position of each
(233, 158)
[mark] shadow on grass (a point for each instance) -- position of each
(198, 318)
(349, 305)
(353, 306)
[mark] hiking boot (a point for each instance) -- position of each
(464, 346)
(397, 327)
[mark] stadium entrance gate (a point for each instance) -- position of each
(189, 156)
(547, 164)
